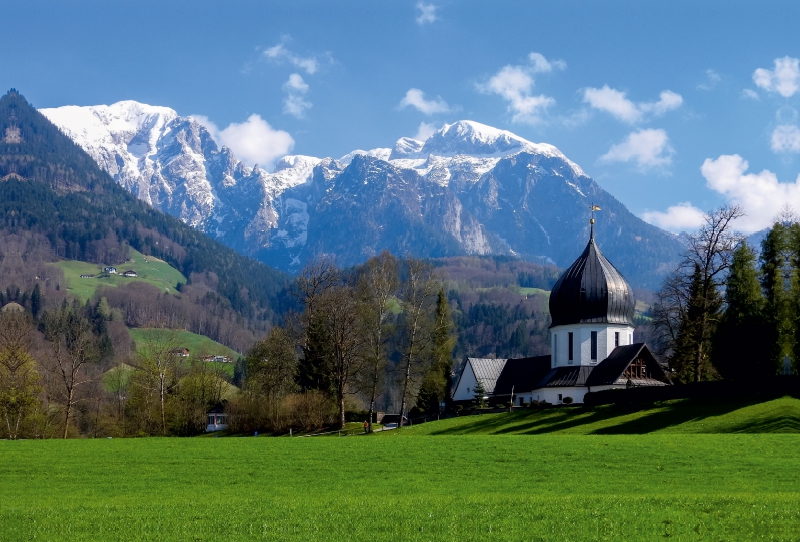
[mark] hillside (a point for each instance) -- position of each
(687, 416)
(54, 195)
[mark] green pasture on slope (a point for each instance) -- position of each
(197, 344)
(471, 487)
(679, 416)
(152, 271)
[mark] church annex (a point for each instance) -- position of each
(593, 348)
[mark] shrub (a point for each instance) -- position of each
(567, 400)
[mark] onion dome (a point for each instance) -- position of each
(591, 291)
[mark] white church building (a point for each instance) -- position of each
(592, 344)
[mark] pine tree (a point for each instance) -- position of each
(775, 274)
(738, 346)
(436, 386)
(36, 301)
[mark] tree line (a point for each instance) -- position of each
(729, 312)
(364, 339)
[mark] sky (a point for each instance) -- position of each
(673, 107)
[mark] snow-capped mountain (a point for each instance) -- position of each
(468, 189)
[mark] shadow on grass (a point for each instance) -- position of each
(653, 417)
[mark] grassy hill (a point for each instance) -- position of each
(197, 344)
(148, 268)
(689, 416)
(473, 487)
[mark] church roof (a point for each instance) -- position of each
(566, 376)
(591, 291)
(487, 371)
(611, 369)
(522, 374)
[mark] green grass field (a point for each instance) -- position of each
(415, 485)
(679, 416)
(153, 271)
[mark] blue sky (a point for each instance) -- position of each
(674, 107)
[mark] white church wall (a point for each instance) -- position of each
(466, 384)
(582, 342)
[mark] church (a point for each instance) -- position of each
(592, 344)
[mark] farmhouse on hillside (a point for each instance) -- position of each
(591, 334)
(130, 273)
(110, 270)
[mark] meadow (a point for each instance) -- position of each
(406, 486)
(149, 269)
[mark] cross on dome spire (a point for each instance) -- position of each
(593, 208)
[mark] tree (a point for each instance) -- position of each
(479, 394)
(74, 347)
(36, 301)
(436, 386)
(775, 278)
(741, 336)
(688, 306)
(19, 381)
(271, 370)
(310, 287)
(375, 289)
(159, 364)
(417, 324)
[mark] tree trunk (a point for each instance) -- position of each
(68, 412)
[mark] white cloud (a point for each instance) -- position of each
(750, 94)
(416, 98)
(681, 217)
(648, 148)
(515, 84)
(295, 104)
(784, 79)
(786, 138)
(427, 13)
(616, 102)
(424, 131)
(279, 52)
(761, 195)
(253, 141)
(712, 78)
(208, 124)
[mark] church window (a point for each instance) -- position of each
(569, 340)
(559, 397)
(594, 345)
(616, 338)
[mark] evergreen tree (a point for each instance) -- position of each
(740, 338)
(436, 386)
(793, 311)
(479, 395)
(36, 301)
(691, 356)
(775, 276)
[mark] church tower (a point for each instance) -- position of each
(592, 309)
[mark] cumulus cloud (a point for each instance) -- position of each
(427, 13)
(681, 217)
(416, 98)
(761, 195)
(786, 138)
(712, 78)
(648, 148)
(784, 78)
(619, 106)
(424, 131)
(515, 85)
(749, 94)
(253, 141)
(294, 103)
(279, 53)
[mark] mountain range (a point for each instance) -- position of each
(469, 189)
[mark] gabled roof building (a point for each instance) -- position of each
(593, 349)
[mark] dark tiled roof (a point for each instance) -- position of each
(610, 369)
(523, 374)
(591, 290)
(566, 376)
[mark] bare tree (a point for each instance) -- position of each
(340, 312)
(74, 347)
(376, 287)
(19, 381)
(417, 324)
(688, 304)
(160, 364)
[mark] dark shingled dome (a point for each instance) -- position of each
(591, 291)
